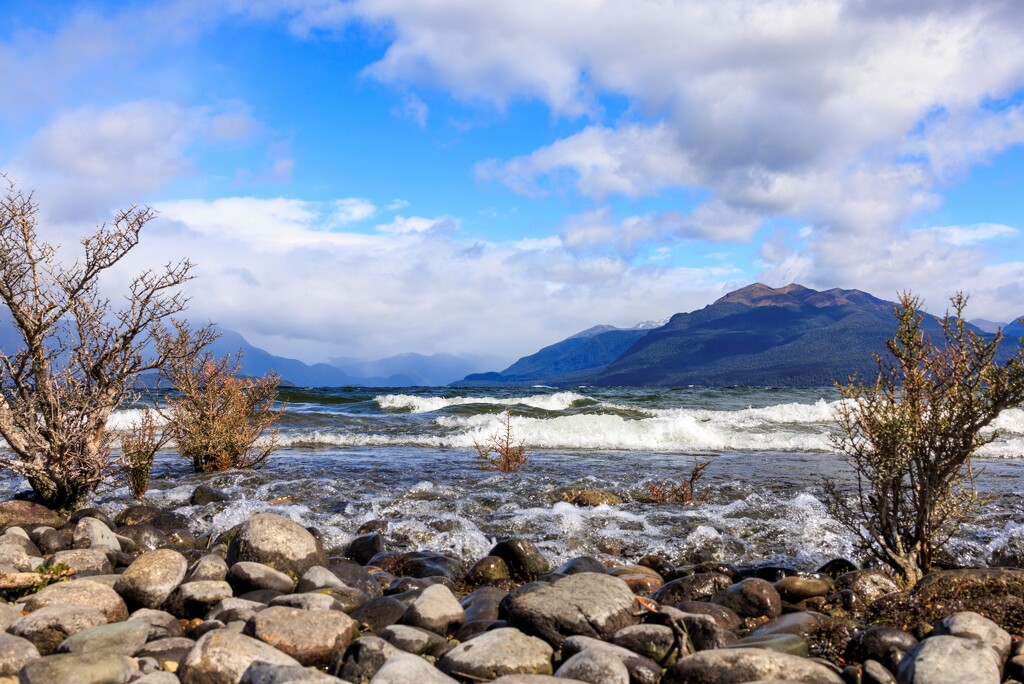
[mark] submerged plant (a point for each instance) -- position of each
(501, 451)
(682, 492)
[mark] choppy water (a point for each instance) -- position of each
(406, 457)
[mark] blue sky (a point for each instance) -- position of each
(371, 177)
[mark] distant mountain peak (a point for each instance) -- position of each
(795, 295)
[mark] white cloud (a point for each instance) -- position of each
(353, 210)
(973, 234)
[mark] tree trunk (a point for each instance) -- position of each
(64, 498)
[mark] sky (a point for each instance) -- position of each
(363, 178)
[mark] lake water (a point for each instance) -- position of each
(406, 457)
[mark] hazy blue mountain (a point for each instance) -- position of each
(570, 360)
(1015, 330)
(986, 325)
(411, 369)
(257, 362)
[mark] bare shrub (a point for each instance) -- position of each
(501, 451)
(911, 434)
(78, 354)
(139, 444)
(218, 418)
(682, 492)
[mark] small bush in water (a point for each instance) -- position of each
(682, 492)
(501, 451)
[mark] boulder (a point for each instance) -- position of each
(589, 604)
(91, 533)
(222, 657)
(496, 653)
(249, 576)
(309, 636)
(15, 653)
(970, 625)
(47, 627)
(210, 567)
(84, 562)
(124, 638)
(946, 659)
(436, 610)
(737, 665)
(80, 592)
(80, 668)
(281, 543)
(595, 667)
(18, 512)
(752, 598)
(152, 577)
(524, 560)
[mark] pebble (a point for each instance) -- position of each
(152, 577)
(496, 653)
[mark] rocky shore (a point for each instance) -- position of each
(138, 599)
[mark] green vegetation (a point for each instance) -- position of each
(911, 434)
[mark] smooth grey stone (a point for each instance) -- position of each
(946, 659)
(14, 557)
(281, 543)
(234, 609)
(310, 636)
(210, 567)
(48, 540)
(483, 604)
(172, 649)
(91, 533)
(195, 599)
(246, 576)
(152, 577)
(496, 653)
(536, 679)
(80, 592)
(405, 668)
(15, 653)
(415, 640)
(49, 626)
(223, 656)
(641, 670)
(596, 667)
(971, 625)
(591, 604)
(436, 610)
(318, 577)
(738, 665)
(308, 601)
(124, 638)
(84, 562)
(264, 673)
(161, 623)
(651, 641)
(80, 668)
(360, 661)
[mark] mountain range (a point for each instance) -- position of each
(757, 335)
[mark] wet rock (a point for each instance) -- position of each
(752, 598)
(579, 564)
(165, 521)
(701, 630)
(169, 650)
(806, 625)
(970, 625)
(145, 537)
(246, 576)
(378, 612)
(318, 577)
(81, 668)
(726, 618)
(161, 623)
(210, 567)
(223, 656)
(424, 564)
(836, 567)
(589, 604)
(781, 642)
(795, 589)
(496, 653)
(47, 627)
(737, 665)
(265, 673)
(90, 533)
(700, 587)
(15, 653)
(641, 670)
(124, 638)
(356, 576)
(887, 645)
(278, 542)
(873, 672)
(595, 667)
(404, 668)
(205, 494)
(524, 560)
(488, 570)
(309, 601)
(81, 592)
(483, 604)
(415, 640)
(588, 496)
(949, 659)
(84, 562)
(309, 636)
(868, 584)
(436, 610)
(365, 547)
(48, 539)
(18, 512)
(232, 609)
(362, 659)
(152, 577)
(195, 599)
(656, 642)
(995, 592)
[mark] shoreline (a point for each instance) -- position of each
(391, 615)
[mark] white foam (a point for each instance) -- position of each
(123, 419)
(559, 401)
